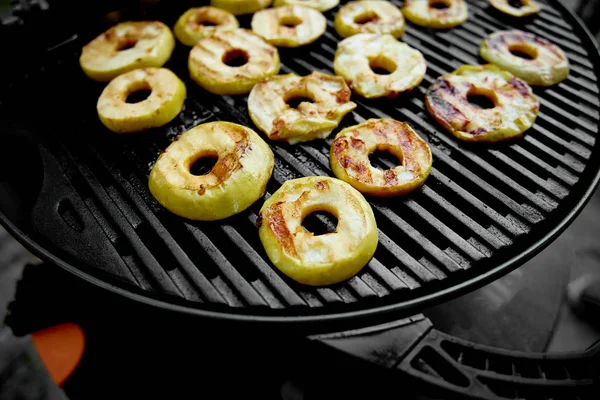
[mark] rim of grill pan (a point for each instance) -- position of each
(521, 252)
(407, 307)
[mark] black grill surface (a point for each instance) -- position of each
(484, 209)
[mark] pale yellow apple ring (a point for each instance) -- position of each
(369, 16)
(240, 7)
(237, 180)
(323, 259)
(548, 64)
(289, 26)
(190, 27)
(514, 110)
(321, 5)
(357, 55)
(208, 68)
(269, 111)
(528, 7)
(425, 13)
(350, 157)
(125, 47)
(167, 94)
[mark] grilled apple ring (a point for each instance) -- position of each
(289, 26)
(191, 26)
(125, 47)
(369, 16)
(350, 151)
(425, 13)
(164, 102)
(324, 259)
(208, 68)
(528, 7)
(548, 64)
(320, 5)
(239, 7)
(515, 108)
(268, 108)
(238, 179)
(357, 55)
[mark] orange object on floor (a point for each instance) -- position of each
(60, 347)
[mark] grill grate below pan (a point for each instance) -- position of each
(483, 210)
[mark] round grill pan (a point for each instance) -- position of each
(83, 203)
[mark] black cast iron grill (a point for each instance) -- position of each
(483, 209)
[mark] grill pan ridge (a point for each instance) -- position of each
(483, 211)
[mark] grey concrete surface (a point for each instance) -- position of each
(12, 259)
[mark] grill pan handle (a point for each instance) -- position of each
(62, 216)
(447, 367)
